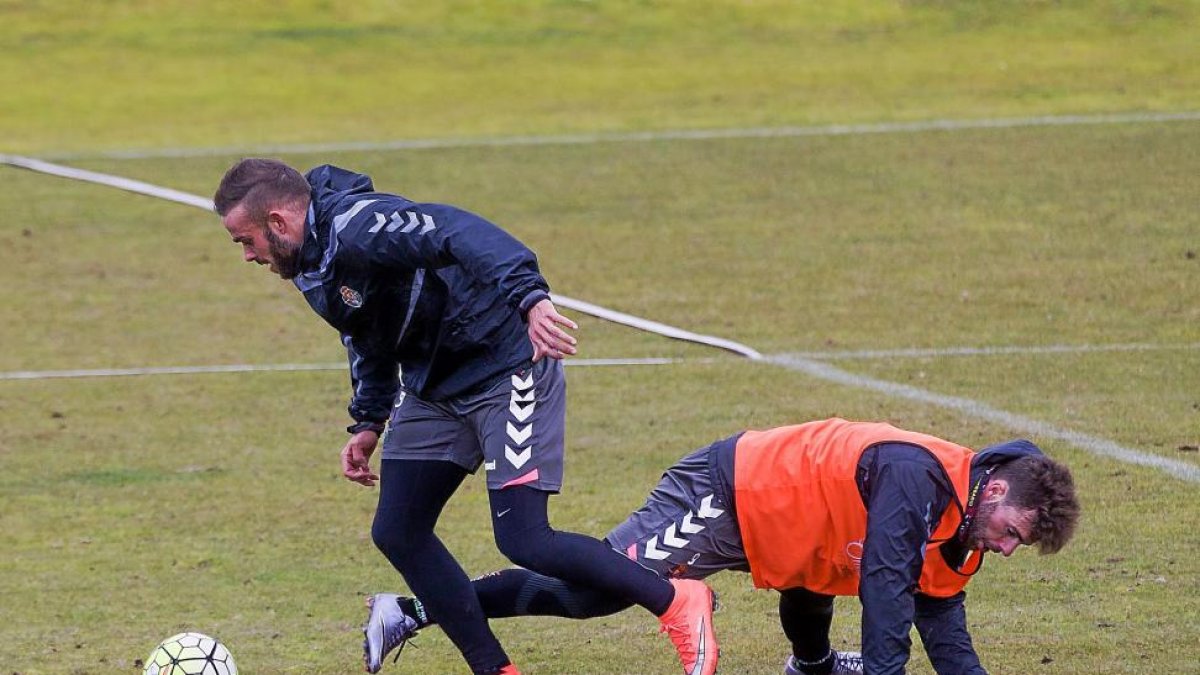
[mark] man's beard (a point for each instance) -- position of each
(285, 255)
(983, 513)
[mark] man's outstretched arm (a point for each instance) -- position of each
(942, 623)
(904, 501)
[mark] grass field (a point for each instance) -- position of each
(137, 507)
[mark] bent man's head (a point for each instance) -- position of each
(263, 204)
(1030, 500)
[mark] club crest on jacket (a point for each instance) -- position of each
(351, 297)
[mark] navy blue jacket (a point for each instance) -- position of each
(427, 289)
(907, 492)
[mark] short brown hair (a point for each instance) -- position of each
(259, 184)
(1038, 483)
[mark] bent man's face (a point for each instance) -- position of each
(1000, 528)
(260, 245)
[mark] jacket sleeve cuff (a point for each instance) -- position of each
(532, 299)
(357, 427)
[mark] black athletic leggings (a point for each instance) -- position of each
(806, 618)
(411, 497)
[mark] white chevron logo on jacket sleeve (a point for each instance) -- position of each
(396, 222)
(428, 220)
(519, 436)
(515, 458)
(408, 227)
(653, 552)
(707, 510)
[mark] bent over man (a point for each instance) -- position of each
(459, 308)
(900, 519)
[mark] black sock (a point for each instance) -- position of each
(413, 608)
(822, 667)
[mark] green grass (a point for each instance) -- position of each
(112, 75)
(134, 508)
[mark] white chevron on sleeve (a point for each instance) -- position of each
(428, 223)
(524, 384)
(380, 221)
(410, 225)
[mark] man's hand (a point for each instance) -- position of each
(548, 338)
(356, 458)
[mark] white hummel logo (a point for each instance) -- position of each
(396, 222)
(670, 536)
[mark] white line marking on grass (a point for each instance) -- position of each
(278, 367)
(648, 136)
(988, 351)
(1093, 444)
(118, 182)
(150, 190)
(656, 327)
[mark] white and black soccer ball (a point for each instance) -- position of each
(190, 654)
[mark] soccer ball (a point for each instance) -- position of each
(190, 654)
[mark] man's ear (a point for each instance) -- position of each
(277, 221)
(996, 490)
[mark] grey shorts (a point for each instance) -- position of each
(684, 529)
(516, 429)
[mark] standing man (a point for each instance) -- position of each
(898, 518)
(459, 308)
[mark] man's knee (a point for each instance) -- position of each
(397, 539)
(531, 548)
